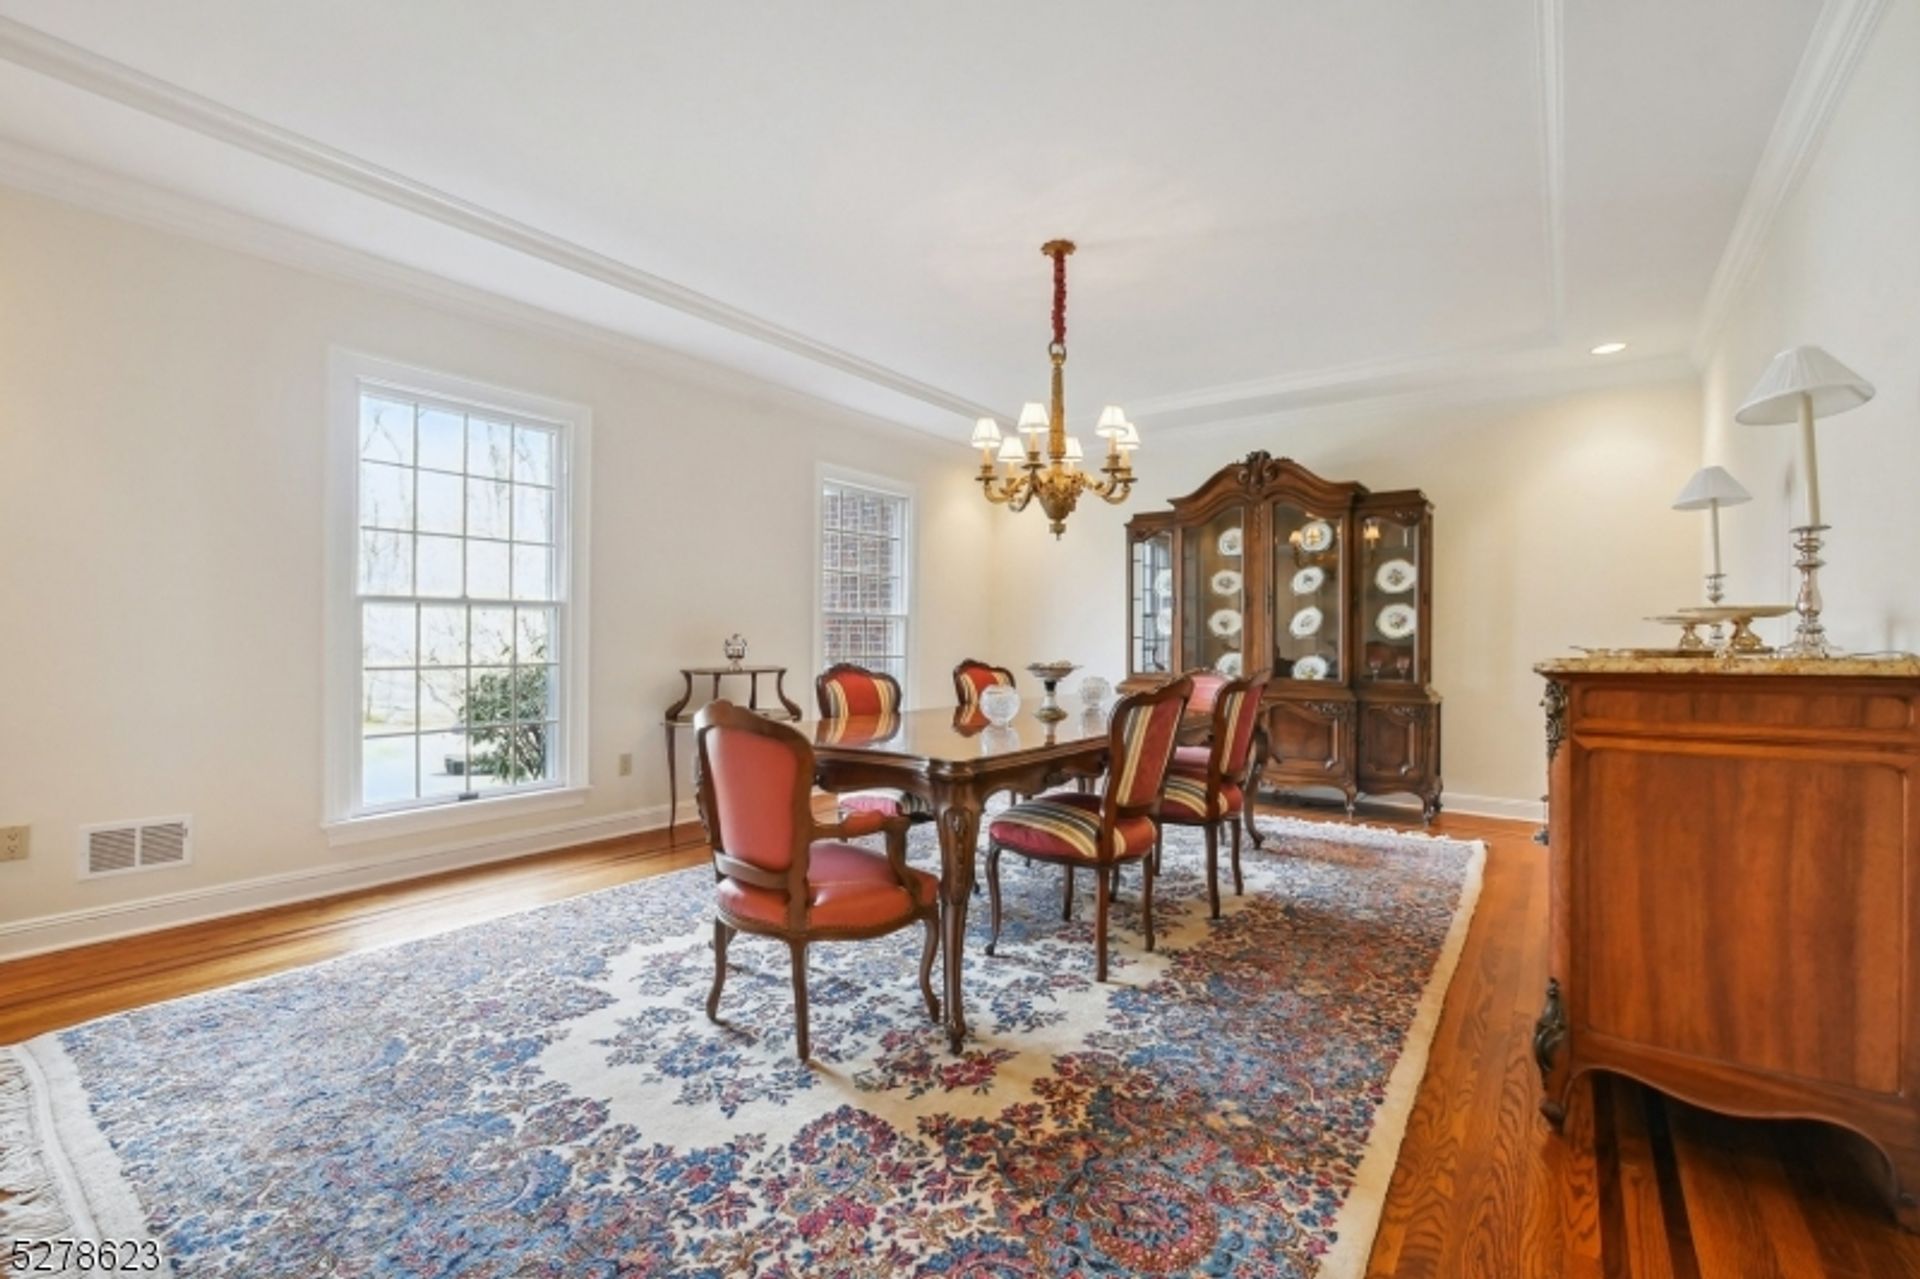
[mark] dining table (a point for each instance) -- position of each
(956, 761)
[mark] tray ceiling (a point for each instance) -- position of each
(1284, 201)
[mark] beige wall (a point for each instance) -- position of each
(1840, 270)
(1551, 528)
(161, 503)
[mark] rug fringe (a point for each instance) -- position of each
(31, 1205)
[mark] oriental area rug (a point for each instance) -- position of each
(544, 1095)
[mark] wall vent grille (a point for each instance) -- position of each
(118, 848)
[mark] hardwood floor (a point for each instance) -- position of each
(1639, 1185)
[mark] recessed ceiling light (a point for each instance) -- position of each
(1608, 348)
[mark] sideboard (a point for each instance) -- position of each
(1734, 889)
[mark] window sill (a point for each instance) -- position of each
(378, 826)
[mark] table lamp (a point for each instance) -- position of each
(1710, 489)
(1800, 384)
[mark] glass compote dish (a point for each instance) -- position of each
(1050, 674)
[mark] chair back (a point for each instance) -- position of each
(1206, 689)
(1144, 730)
(754, 781)
(972, 678)
(1236, 713)
(845, 689)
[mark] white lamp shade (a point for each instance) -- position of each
(1129, 439)
(1113, 422)
(986, 433)
(1033, 417)
(1012, 450)
(1073, 449)
(1710, 484)
(1803, 370)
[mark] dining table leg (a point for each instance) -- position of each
(959, 823)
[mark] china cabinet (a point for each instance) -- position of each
(1330, 585)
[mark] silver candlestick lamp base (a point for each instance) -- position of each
(1809, 637)
(1716, 591)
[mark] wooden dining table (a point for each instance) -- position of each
(956, 761)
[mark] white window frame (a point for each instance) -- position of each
(823, 473)
(343, 818)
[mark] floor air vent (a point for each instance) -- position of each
(119, 847)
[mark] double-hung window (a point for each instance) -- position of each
(458, 620)
(865, 572)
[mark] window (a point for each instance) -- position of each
(464, 615)
(864, 572)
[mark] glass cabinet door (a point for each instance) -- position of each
(1152, 605)
(1308, 614)
(1389, 600)
(1214, 593)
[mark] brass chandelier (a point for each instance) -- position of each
(1054, 476)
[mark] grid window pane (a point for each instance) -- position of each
(443, 439)
(487, 570)
(386, 430)
(864, 591)
(441, 504)
(488, 512)
(460, 529)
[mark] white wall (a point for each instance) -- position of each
(1551, 528)
(161, 498)
(1840, 270)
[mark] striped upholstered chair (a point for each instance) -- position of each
(783, 875)
(1101, 832)
(1206, 786)
(972, 678)
(846, 691)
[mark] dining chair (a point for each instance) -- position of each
(846, 691)
(1105, 831)
(782, 874)
(1207, 785)
(973, 677)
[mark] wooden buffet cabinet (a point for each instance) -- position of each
(1734, 889)
(1328, 584)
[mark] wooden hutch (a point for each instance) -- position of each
(1331, 585)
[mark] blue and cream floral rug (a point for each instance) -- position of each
(543, 1094)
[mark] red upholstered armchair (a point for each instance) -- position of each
(1207, 784)
(782, 874)
(846, 691)
(1104, 831)
(972, 678)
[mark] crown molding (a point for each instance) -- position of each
(1368, 379)
(83, 69)
(1840, 38)
(1550, 71)
(115, 195)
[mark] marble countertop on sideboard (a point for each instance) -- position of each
(1897, 666)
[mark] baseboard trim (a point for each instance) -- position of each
(81, 927)
(1519, 810)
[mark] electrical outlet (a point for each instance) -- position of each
(13, 843)
(626, 766)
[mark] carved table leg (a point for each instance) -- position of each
(1549, 1042)
(959, 833)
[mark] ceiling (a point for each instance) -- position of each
(1288, 201)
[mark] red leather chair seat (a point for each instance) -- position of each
(852, 888)
(1064, 827)
(888, 803)
(1191, 759)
